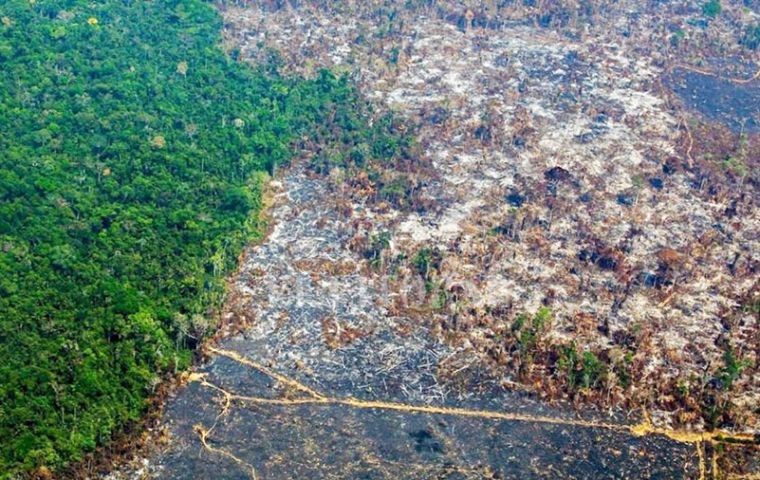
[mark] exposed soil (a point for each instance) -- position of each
(729, 102)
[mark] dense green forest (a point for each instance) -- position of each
(131, 157)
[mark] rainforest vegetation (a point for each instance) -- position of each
(132, 152)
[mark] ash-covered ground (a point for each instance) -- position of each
(322, 382)
(566, 176)
(574, 269)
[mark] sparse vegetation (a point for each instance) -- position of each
(377, 244)
(426, 261)
(581, 371)
(732, 368)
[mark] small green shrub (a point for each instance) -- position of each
(712, 8)
(732, 368)
(584, 371)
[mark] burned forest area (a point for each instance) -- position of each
(548, 268)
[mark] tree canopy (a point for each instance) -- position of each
(131, 158)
